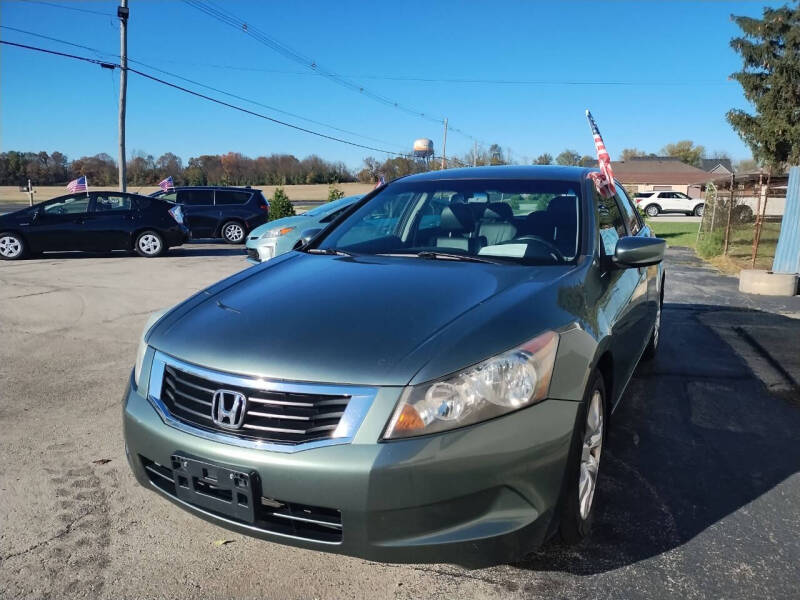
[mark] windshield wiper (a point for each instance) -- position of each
(328, 251)
(432, 255)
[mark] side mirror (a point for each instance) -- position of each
(309, 234)
(632, 252)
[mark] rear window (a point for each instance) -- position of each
(196, 197)
(644, 194)
(229, 197)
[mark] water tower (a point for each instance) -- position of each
(423, 150)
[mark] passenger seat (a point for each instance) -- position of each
(496, 225)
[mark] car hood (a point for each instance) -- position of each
(296, 221)
(358, 320)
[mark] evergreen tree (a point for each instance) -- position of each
(770, 78)
(334, 193)
(280, 206)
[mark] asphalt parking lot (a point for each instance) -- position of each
(698, 494)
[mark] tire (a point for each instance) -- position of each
(652, 210)
(582, 473)
(149, 244)
(698, 210)
(12, 246)
(652, 345)
(233, 232)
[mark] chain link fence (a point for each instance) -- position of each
(742, 220)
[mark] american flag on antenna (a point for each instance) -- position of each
(381, 182)
(604, 180)
(166, 184)
(78, 185)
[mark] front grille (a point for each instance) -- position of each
(275, 516)
(253, 253)
(273, 416)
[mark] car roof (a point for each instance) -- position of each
(549, 172)
(216, 187)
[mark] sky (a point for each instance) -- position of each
(651, 72)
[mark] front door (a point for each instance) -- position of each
(109, 222)
(61, 223)
(620, 308)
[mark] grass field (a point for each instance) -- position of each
(711, 246)
(297, 193)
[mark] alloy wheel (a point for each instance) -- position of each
(590, 454)
(233, 232)
(699, 211)
(652, 211)
(149, 244)
(10, 246)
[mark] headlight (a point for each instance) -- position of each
(142, 349)
(499, 385)
(272, 233)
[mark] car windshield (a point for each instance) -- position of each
(518, 221)
(328, 207)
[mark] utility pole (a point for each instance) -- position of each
(444, 145)
(122, 13)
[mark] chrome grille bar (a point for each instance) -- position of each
(326, 414)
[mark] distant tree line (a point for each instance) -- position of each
(232, 168)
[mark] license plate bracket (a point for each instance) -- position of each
(222, 489)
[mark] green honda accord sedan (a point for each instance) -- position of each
(430, 379)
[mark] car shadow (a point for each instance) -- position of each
(696, 438)
(194, 248)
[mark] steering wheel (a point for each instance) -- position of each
(551, 248)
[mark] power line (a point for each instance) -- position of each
(230, 94)
(287, 52)
(64, 6)
(110, 65)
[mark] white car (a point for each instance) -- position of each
(654, 203)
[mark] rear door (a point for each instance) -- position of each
(61, 223)
(199, 211)
(109, 222)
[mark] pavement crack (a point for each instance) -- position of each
(53, 538)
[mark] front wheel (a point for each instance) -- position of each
(149, 244)
(652, 210)
(233, 232)
(584, 465)
(12, 246)
(698, 210)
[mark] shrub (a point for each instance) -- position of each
(280, 206)
(334, 193)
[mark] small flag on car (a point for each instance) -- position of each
(604, 180)
(166, 184)
(381, 182)
(78, 185)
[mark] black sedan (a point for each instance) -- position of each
(97, 221)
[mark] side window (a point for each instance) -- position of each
(111, 202)
(196, 197)
(611, 223)
(629, 210)
(170, 196)
(71, 205)
(229, 197)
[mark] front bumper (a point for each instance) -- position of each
(481, 495)
(259, 251)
